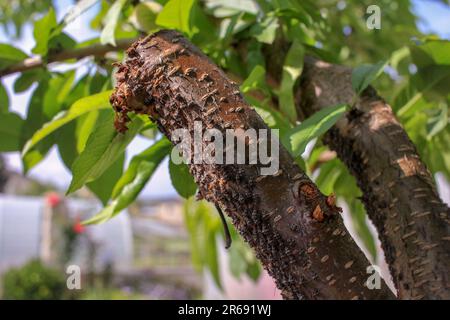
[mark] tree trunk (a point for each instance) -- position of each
(296, 232)
(399, 192)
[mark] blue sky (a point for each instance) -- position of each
(434, 18)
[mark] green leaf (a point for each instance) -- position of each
(292, 69)
(236, 258)
(10, 131)
(398, 56)
(134, 180)
(430, 83)
(43, 32)
(103, 186)
(203, 30)
(313, 127)
(111, 19)
(254, 270)
(359, 219)
(145, 14)
(329, 174)
(35, 156)
(59, 88)
(175, 15)
(26, 79)
(255, 80)
(265, 31)
(4, 99)
(149, 131)
(182, 179)
(103, 148)
(80, 107)
(69, 135)
(273, 118)
(211, 255)
(61, 41)
(362, 76)
(152, 155)
(431, 52)
(437, 122)
(225, 8)
(193, 212)
(10, 55)
(84, 127)
(66, 143)
(78, 91)
(34, 120)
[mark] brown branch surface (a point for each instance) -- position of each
(399, 192)
(79, 53)
(309, 256)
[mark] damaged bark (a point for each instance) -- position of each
(295, 231)
(399, 193)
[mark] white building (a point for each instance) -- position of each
(26, 231)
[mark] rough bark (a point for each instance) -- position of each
(399, 192)
(309, 255)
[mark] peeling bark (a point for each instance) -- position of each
(309, 255)
(399, 192)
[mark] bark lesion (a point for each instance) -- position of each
(306, 257)
(397, 186)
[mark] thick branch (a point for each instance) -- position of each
(309, 255)
(79, 53)
(399, 192)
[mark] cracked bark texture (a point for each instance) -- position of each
(399, 193)
(170, 80)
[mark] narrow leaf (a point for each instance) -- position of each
(313, 127)
(144, 16)
(80, 107)
(26, 79)
(175, 15)
(4, 99)
(10, 131)
(255, 80)
(364, 75)
(35, 120)
(43, 32)
(102, 149)
(111, 18)
(182, 179)
(265, 31)
(153, 155)
(10, 55)
(134, 180)
(103, 186)
(211, 254)
(438, 122)
(292, 69)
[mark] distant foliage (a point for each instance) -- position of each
(34, 281)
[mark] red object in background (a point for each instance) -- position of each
(53, 199)
(78, 227)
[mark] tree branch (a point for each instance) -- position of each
(309, 255)
(399, 192)
(79, 53)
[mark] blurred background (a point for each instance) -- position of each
(162, 246)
